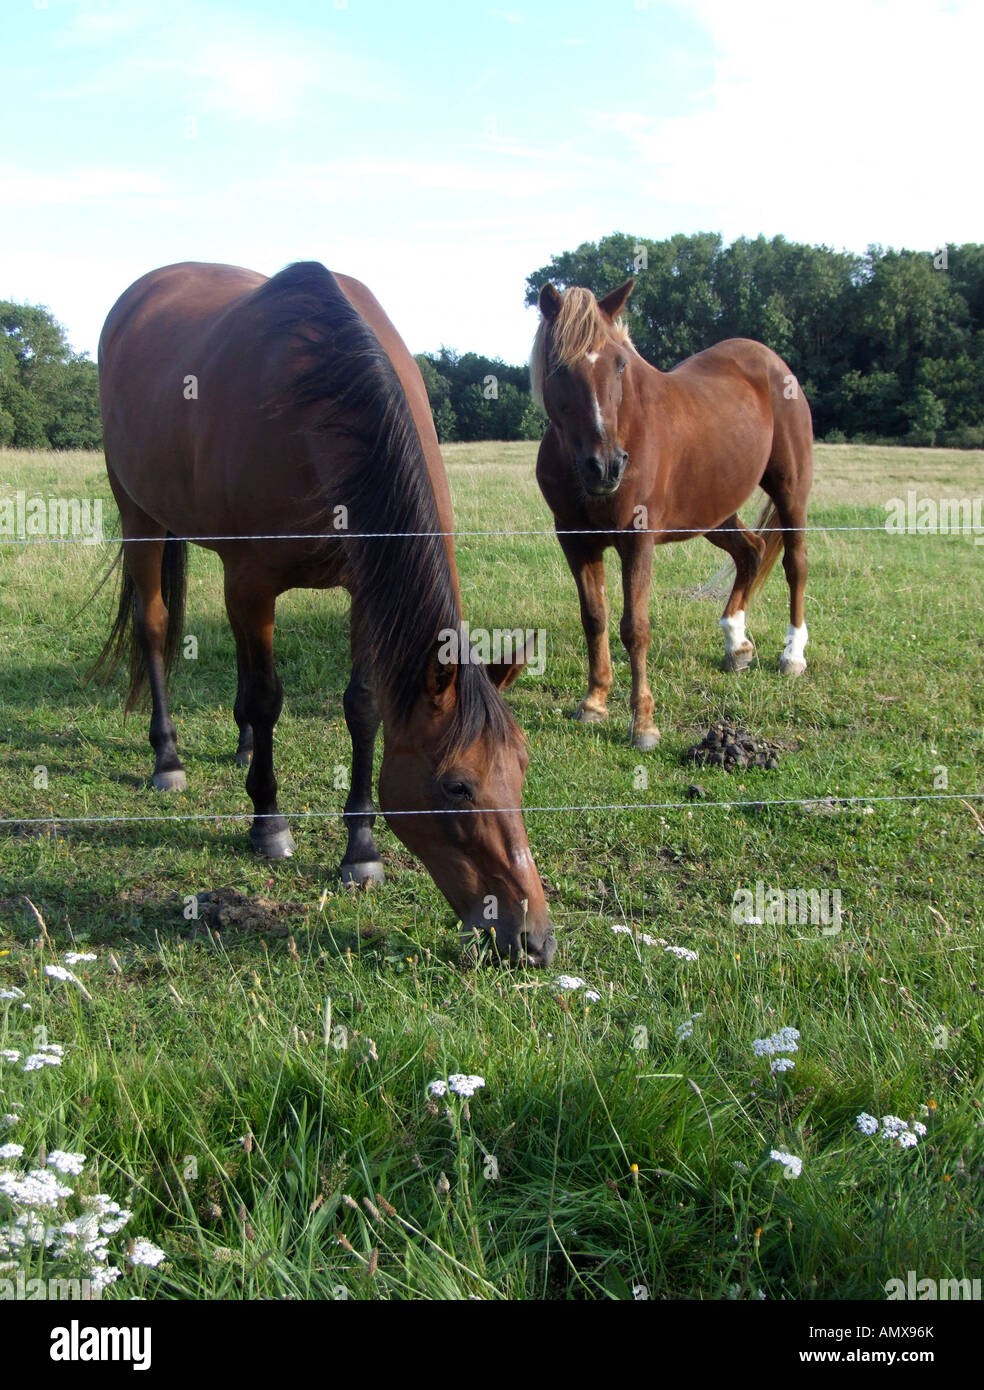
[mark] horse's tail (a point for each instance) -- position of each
(124, 639)
(767, 526)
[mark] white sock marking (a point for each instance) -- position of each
(734, 632)
(795, 648)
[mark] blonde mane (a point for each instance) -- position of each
(579, 328)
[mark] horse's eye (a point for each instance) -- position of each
(621, 365)
(457, 791)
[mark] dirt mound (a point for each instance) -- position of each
(224, 909)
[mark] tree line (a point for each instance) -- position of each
(888, 345)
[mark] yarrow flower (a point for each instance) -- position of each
(9, 1054)
(11, 1150)
(145, 1253)
(642, 936)
(789, 1161)
(14, 993)
(37, 1060)
(570, 982)
(685, 1029)
(781, 1064)
(681, 952)
(59, 972)
(66, 1162)
(893, 1128)
(437, 1088)
(73, 957)
(36, 1188)
(592, 996)
(463, 1085)
(786, 1040)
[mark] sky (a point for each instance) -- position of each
(441, 150)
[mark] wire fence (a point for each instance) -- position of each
(344, 535)
(740, 804)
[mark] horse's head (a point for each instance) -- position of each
(458, 766)
(579, 357)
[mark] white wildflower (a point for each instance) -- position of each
(907, 1140)
(8, 1120)
(570, 982)
(37, 1060)
(9, 1054)
(37, 1188)
(789, 1161)
(918, 1128)
(681, 952)
(437, 1088)
(866, 1123)
(592, 996)
(786, 1040)
(66, 1162)
(893, 1125)
(465, 1085)
(11, 1150)
(101, 1276)
(13, 993)
(55, 1049)
(781, 1064)
(73, 957)
(59, 972)
(144, 1252)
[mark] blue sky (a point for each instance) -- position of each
(442, 151)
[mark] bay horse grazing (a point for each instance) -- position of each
(236, 406)
(638, 457)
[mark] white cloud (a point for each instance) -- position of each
(847, 121)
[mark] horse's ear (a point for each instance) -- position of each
(503, 673)
(550, 301)
(614, 302)
(441, 678)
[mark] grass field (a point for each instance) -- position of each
(256, 1094)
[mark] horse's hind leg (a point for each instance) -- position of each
(746, 549)
(361, 862)
(251, 613)
(143, 561)
(787, 480)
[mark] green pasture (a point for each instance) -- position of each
(256, 1092)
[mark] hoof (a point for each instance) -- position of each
(173, 781)
(243, 759)
(646, 741)
(588, 715)
(369, 871)
(272, 844)
(740, 659)
(792, 666)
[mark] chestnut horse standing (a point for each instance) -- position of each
(236, 406)
(634, 457)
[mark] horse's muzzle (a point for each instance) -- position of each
(519, 944)
(602, 473)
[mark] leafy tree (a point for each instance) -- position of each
(49, 395)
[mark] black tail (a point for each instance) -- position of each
(124, 639)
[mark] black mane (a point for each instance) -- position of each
(403, 583)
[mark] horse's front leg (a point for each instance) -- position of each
(637, 572)
(361, 863)
(587, 561)
(251, 614)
